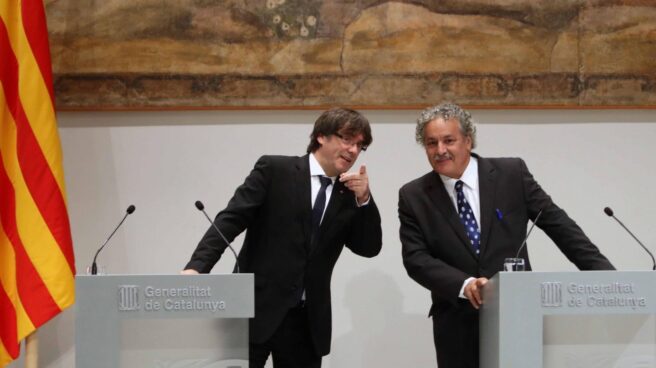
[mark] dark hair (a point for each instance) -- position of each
(343, 121)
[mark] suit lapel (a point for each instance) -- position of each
(486, 190)
(337, 197)
(437, 193)
(302, 185)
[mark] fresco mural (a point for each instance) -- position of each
(141, 54)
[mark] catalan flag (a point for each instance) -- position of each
(37, 267)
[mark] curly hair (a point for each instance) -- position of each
(446, 111)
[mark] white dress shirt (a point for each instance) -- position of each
(315, 172)
(469, 189)
(471, 192)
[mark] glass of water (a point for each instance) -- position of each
(513, 264)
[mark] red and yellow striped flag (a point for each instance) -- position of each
(37, 266)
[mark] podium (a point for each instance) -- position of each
(163, 321)
(569, 319)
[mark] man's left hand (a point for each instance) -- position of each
(473, 291)
(358, 183)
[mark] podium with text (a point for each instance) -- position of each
(569, 319)
(163, 321)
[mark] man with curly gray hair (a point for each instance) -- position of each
(461, 220)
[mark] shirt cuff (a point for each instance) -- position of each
(365, 202)
(462, 289)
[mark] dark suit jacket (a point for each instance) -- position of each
(274, 205)
(439, 256)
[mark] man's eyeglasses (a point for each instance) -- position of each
(350, 141)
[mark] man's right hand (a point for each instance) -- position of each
(189, 271)
(473, 291)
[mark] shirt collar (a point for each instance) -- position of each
(316, 169)
(469, 177)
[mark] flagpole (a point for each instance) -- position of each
(32, 350)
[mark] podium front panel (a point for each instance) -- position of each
(163, 320)
(569, 319)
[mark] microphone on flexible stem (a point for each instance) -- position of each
(609, 212)
(94, 267)
(528, 234)
(201, 208)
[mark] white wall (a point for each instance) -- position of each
(163, 161)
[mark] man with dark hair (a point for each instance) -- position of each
(460, 221)
(298, 213)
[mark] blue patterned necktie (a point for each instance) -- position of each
(467, 218)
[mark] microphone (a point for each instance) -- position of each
(529, 233)
(609, 212)
(201, 208)
(94, 267)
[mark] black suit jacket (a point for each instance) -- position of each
(274, 206)
(439, 256)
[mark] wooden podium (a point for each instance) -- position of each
(163, 321)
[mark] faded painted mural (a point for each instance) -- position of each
(293, 53)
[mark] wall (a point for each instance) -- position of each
(164, 161)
